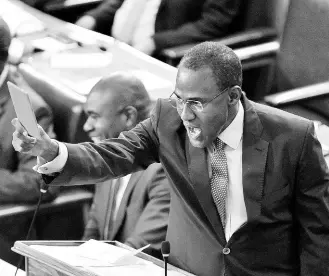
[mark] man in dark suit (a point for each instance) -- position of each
(249, 182)
(133, 209)
(19, 184)
(164, 23)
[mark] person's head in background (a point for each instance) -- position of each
(5, 40)
(116, 103)
(210, 78)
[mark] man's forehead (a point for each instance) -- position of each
(100, 100)
(195, 84)
(199, 70)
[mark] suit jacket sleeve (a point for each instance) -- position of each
(214, 21)
(91, 230)
(151, 227)
(91, 163)
(312, 208)
(104, 14)
(22, 185)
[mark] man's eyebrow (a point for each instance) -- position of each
(191, 99)
(90, 112)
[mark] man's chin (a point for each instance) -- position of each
(197, 143)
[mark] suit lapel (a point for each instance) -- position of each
(124, 202)
(198, 171)
(254, 155)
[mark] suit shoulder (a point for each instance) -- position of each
(165, 115)
(155, 175)
(163, 106)
(155, 168)
(279, 120)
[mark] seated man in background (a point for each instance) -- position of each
(134, 210)
(19, 183)
(152, 25)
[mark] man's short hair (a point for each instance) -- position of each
(130, 89)
(139, 98)
(5, 39)
(223, 62)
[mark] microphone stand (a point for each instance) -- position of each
(165, 250)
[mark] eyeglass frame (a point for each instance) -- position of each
(171, 99)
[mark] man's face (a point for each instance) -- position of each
(105, 117)
(204, 126)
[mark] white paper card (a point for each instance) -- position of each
(80, 60)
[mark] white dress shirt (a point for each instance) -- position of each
(134, 21)
(118, 197)
(236, 213)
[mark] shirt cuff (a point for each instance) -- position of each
(54, 166)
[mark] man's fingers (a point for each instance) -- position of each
(21, 146)
(42, 131)
(18, 126)
(24, 137)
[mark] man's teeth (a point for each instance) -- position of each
(194, 131)
(96, 139)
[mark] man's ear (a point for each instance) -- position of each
(131, 116)
(234, 94)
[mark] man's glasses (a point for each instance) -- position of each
(192, 104)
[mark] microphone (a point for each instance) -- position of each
(165, 250)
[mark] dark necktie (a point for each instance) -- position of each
(219, 179)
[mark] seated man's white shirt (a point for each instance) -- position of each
(134, 21)
(123, 185)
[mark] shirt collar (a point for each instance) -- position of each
(232, 135)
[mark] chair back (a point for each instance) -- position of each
(303, 58)
(266, 13)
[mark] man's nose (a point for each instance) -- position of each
(87, 127)
(186, 113)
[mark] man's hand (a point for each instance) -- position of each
(43, 147)
(87, 22)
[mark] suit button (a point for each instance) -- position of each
(226, 251)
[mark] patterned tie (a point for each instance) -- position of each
(219, 179)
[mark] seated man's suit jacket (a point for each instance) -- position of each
(285, 185)
(19, 183)
(143, 213)
(181, 22)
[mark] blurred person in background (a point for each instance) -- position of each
(152, 25)
(134, 210)
(19, 183)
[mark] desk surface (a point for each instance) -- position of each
(63, 66)
(7, 269)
